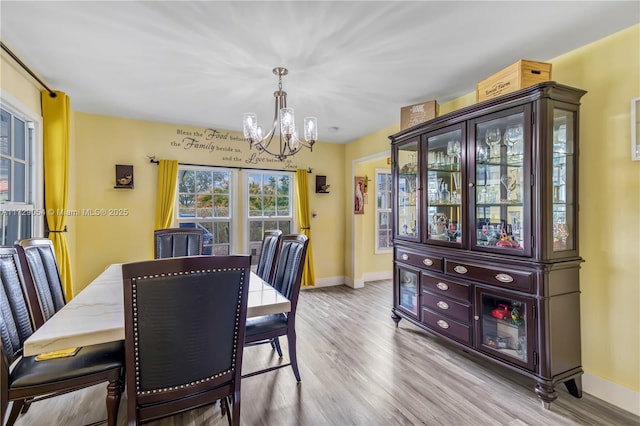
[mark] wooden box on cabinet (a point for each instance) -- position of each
(419, 113)
(485, 222)
(516, 76)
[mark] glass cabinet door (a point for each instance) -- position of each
(408, 290)
(505, 326)
(563, 173)
(444, 186)
(407, 198)
(501, 185)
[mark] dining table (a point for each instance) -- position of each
(96, 314)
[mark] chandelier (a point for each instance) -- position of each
(284, 121)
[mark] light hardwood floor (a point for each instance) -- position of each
(357, 368)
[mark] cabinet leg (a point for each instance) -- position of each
(547, 393)
(574, 386)
(395, 317)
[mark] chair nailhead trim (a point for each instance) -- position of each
(134, 299)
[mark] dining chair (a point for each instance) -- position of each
(287, 279)
(38, 261)
(176, 242)
(269, 252)
(184, 333)
(25, 380)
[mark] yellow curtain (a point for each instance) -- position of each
(304, 222)
(55, 119)
(165, 204)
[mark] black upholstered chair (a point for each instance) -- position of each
(176, 242)
(269, 252)
(25, 380)
(184, 334)
(287, 279)
(38, 260)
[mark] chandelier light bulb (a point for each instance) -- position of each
(310, 129)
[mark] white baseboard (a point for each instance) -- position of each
(349, 282)
(377, 276)
(612, 393)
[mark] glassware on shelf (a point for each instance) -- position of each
(482, 152)
(510, 182)
(492, 138)
(512, 136)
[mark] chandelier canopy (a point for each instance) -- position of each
(284, 122)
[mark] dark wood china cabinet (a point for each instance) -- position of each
(486, 232)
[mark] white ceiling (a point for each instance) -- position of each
(351, 64)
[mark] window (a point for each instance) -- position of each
(19, 216)
(205, 201)
(270, 206)
(384, 239)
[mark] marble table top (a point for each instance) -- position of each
(96, 314)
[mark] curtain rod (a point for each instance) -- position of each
(26, 68)
(152, 159)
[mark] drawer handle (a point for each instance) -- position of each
(427, 261)
(442, 286)
(442, 324)
(504, 278)
(405, 256)
(442, 305)
(460, 269)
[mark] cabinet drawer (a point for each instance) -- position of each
(503, 277)
(447, 326)
(446, 306)
(420, 260)
(445, 287)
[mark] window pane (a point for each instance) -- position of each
(221, 182)
(19, 138)
(5, 133)
(269, 206)
(255, 206)
(221, 232)
(186, 205)
(221, 207)
(285, 227)
(5, 174)
(204, 182)
(186, 181)
(255, 231)
(255, 184)
(19, 182)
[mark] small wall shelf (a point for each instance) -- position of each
(124, 176)
(321, 185)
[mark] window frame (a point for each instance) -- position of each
(233, 203)
(388, 211)
(34, 205)
(292, 218)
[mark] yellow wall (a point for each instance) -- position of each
(102, 142)
(609, 70)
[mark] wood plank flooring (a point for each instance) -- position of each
(357, 368)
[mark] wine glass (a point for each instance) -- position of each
(512, 136)
(492, 137)
(481, 152)
(457, 150)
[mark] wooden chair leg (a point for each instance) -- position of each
(291, 339)
(236, 408)
(15, 411)
(114, 391)
(275, 342)
(226, 400)
(26, 406)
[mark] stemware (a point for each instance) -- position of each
(492, 138)
(512, 136)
